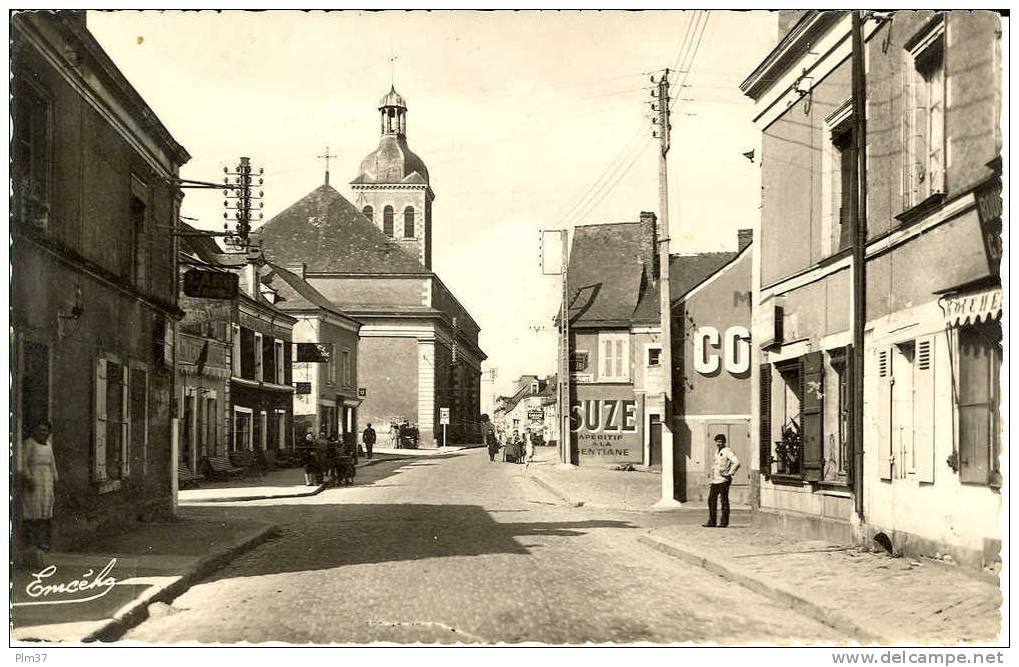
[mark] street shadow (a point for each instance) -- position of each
(328, 536)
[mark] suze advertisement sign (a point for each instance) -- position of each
(607, 423)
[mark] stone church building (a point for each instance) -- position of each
(418, 349)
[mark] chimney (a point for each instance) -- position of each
(649, 243)
(744, 238)
(297, 269)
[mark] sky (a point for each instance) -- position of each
(526, 120)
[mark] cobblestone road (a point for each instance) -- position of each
(457, 549)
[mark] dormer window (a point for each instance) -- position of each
(534, 387)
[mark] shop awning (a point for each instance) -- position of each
(972, 307)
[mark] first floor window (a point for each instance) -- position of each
(615, 353)
(111, 452)
(654, 356)
(242, 439)
(278, 362)
(979, 399)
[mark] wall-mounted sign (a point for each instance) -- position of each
(362, 392)
(711, 350)
(211, 284)
(536, 415)
(608, 423)
(302, 388)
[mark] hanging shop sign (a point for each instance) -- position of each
(211, 284)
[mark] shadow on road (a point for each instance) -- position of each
(326, 536)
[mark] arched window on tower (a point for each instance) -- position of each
(368, 213)
(387, 221)
(408, 222)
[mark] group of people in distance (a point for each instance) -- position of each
(403, 436)
(517, 449)
(340, 465)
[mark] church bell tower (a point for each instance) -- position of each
(392, 188)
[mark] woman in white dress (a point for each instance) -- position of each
(38, 472)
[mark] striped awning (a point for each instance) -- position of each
(972, 307)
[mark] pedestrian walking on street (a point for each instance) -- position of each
(369, 439)
(394, 435)
(529, 447)
(489, 437)
(37, 474)
(725, 466)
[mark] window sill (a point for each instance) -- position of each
(787, 480)
(922, 209)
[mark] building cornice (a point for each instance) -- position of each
(78, 58)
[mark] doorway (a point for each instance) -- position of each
(655, 441)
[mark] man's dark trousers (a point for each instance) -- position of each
(368, 447)
(719, 490)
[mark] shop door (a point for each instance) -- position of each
(655, 446)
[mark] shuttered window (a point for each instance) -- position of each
(764, 409)
(979, 403)
(924, 92)
(614, 360)
(812, 399)
(99, 433)
(924, 441)
(884, 412)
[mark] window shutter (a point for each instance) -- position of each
(884, 413)
(848, 464)
(918, 156)
(923, 409)
(99, 452)
(125, 424)
(764, 446)
(812, 383)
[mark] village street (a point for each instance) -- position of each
(458, 549)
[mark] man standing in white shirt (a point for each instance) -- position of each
(725, 466)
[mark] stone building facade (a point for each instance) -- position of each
(94, 301)
(930, 477)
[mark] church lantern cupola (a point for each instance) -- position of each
(394, 113)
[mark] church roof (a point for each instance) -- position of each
(329, 235)
(392, 162)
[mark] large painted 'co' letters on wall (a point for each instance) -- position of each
(735, 344)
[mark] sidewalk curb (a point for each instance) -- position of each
(795, 601)
(536, 478)
(304, 494)
(136, 611)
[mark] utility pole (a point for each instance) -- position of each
(563, 398)
(565, 444)
(661, 105)
(859, 299)
(237, 186)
